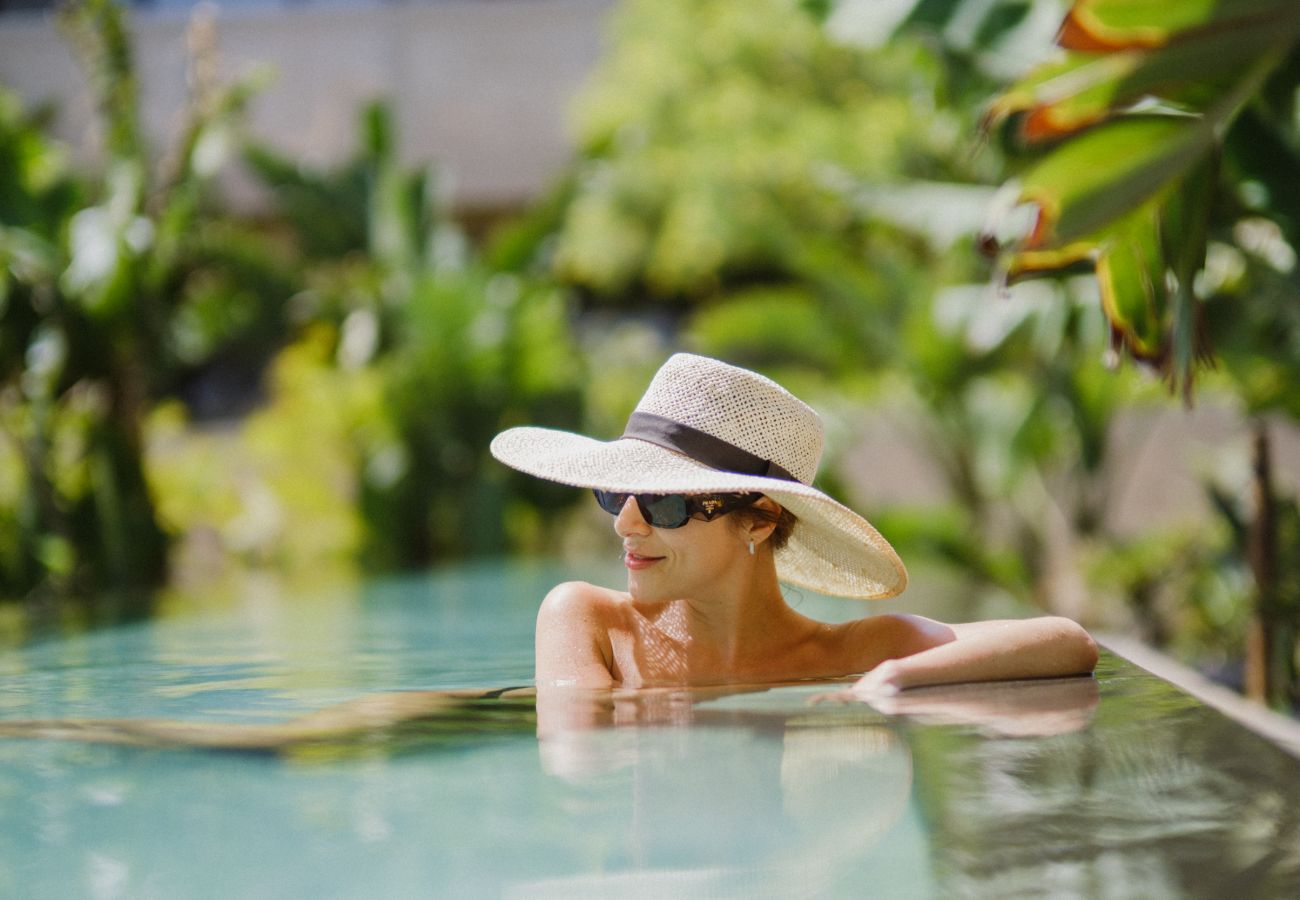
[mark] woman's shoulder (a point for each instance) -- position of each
(889, 635)
(571, 599)
(573, 643)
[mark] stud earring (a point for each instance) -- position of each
(751, 548)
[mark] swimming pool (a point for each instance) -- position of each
(1118, 787)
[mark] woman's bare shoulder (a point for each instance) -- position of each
(891, 635)
(580, 598)
(574, 608)
(573, 644)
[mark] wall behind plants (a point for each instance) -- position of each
(500, 71)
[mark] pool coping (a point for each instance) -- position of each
(1280, 729)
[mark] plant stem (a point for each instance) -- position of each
(1262, 549)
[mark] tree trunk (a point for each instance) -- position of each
(1262, 549)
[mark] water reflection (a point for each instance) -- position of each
(568, 722)
(1119, 786)
(830, 778)
(730, 792)
(1012, 709)
(1158, 797)
(754, 791)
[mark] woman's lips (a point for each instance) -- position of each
(636, 561)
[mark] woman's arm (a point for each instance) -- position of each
(933, 653)
(572, 641)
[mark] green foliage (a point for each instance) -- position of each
(432, 355)
(280, 490)
(1158, 148)
(1193, 592)
(365, 232)
(383, 462)
(1128, 127)
(716, 135)
(1163, 146)
(943, 534)
(1186, 590)
(1018, 409)
(1253, 310)
(772, 325)
(480, 351)
(118, 291)
(838, 308)
(1276, 591)
(76, 507)
(108, 299)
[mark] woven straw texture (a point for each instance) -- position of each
(741, 407)
(833, 550)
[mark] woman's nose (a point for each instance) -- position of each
(629, 519)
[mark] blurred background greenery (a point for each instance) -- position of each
(798, 187)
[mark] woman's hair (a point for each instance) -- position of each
(782, 518)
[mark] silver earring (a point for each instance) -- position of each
(751, 548)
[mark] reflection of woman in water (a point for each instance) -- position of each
(710, 489)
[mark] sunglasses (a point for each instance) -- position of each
(674, 510)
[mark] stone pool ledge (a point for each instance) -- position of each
(1280, 729)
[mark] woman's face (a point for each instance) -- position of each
(673, 563)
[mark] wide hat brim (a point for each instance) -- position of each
(832, 550)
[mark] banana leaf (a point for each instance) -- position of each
(1126, 129)
(1117, 24)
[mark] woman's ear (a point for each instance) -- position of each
(760, 529)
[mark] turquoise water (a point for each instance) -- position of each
(1119, 787)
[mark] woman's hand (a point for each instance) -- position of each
(885, 680)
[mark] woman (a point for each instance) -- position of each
(710, 489)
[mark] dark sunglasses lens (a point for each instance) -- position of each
(664, 510)
(610, 501)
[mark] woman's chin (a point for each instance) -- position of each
(645, 588)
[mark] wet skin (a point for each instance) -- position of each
(701, 609)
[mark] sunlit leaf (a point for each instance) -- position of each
(1146, 262)
(1135, 293)
(1117, 24)
(96, 248)
(1037, 262)
(1107, 171)
(26, 255)
(1136, 115)
(1080, 89)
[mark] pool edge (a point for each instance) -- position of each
(1281, 730)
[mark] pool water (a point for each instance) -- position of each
(1120, 786)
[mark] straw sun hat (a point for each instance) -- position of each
(707, 427)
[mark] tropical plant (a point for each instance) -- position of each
(1164, 143)
(426, 354)
(715, 136)
(1133, 120)
(116, 288)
